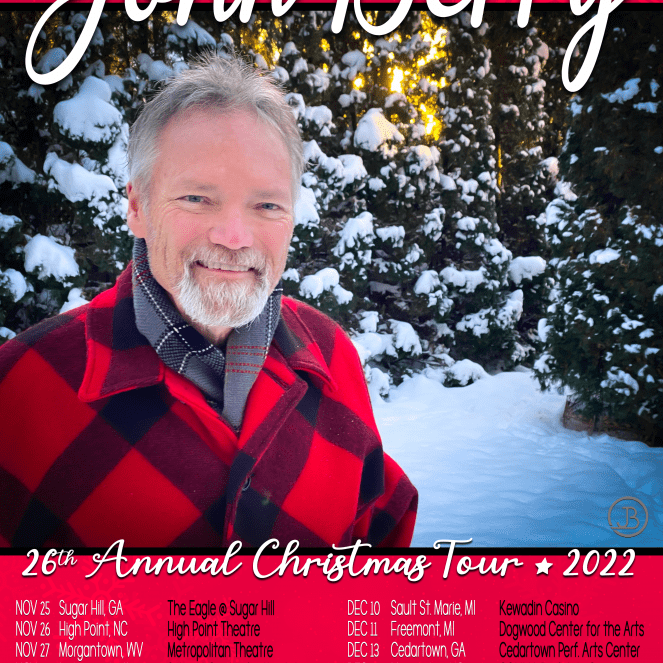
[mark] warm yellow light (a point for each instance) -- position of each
(390, 56)
(324, 45)
(396, 83)
(325, 67)
(358, 82)
(436, 42)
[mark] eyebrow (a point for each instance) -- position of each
(269, 193)
(212, 188)
(195, 184)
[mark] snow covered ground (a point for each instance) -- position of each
(492, 462)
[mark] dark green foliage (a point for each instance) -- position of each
(605, 336)
(473, 262)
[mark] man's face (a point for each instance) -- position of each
(220, 217)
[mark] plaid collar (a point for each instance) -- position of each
(226, 380)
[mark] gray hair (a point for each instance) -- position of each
(219, 85)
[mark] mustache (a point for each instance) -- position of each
(209, 255)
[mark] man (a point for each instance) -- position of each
(192, 405)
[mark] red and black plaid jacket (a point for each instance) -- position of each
(100, 441)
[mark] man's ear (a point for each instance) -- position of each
(135, 215)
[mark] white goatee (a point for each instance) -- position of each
(224, 303)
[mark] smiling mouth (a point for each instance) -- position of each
(223, 267)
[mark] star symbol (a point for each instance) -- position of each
(543, 566)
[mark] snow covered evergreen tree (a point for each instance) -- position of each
(519, 121)
(527, 175)
(65, 198)
(307, 68)
(556, 29)
(605, 325)
(370, 181)
(482, 312)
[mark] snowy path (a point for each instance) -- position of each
(493, 462)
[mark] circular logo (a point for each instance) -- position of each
(627, 517)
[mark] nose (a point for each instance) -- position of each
(231, 229)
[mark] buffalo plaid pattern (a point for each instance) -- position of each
(101, 441)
